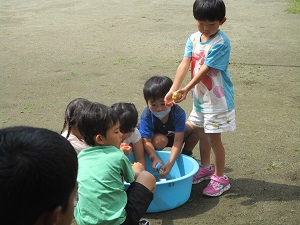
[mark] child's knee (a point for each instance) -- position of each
(147, 179)
(160, 141)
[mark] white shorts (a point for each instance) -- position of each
(214, 122)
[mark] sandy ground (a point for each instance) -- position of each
(54, 51)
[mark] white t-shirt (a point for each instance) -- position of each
(134, 137)
(75, 142)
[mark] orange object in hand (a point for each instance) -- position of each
(176, 96)
(123, 144)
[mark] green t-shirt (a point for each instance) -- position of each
(101, 192)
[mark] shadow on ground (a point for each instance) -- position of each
(250, 191)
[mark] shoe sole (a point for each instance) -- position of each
(226, 188)
(202, 179)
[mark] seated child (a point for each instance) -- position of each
(73, 111)
(38, 170)
(163, 126)
(102, 169)
(130, 134)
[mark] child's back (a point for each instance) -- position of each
(102, 168)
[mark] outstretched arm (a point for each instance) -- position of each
(175, 151)
(151, 152)
(179, 77)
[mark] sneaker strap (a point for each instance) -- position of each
(223, 180)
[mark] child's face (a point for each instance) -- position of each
(157, 105)
(66, 217)
(113, 136)
(127, 134)
(209, 28)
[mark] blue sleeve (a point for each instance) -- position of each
(188, 48)
(146, 127)
(218, 57)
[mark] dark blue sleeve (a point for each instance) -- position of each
(146, 127)
(179, 116)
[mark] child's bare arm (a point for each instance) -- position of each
(175, 151)
(139, 152)
(179, 77)
(150, 150)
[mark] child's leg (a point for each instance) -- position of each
(159, 141)
(219, 182)
(191, 138)
(219, 152)
(205, 169)
(147, 179)
(204, 147)
(139, 197)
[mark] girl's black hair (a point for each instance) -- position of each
(73, 111)
(209, 10)
(128, 116)
(157, 87)
(96, 119)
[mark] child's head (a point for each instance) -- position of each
(99, 123)
(155, 90)
(157, 87)
(209, 10)
(73, 111)
(38, 171)
(128, 117)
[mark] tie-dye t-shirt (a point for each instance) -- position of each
(214, 94)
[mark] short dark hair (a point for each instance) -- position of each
(38, 172)
(210, 10)
(157, 87)
(73, 112)
(128, 116)
(96, 119)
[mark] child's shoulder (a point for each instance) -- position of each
(222, 38)
(195, 35)
(176, 109)
(146, 113)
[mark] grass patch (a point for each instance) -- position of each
(294, 7)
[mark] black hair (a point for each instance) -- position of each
(38, 171)
(96, 119)
(157, 87)
(128, 116)
(73, 112)
(210, 10)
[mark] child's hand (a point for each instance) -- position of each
(179, 95)
(165, 169)
(137, 168)
(126, 148)
(154, 162)
(168, 99)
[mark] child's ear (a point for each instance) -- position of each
(99, 139)
(223, 20)
(50, 217)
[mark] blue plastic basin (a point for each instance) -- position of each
(176, 190)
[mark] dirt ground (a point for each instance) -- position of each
(54, 51)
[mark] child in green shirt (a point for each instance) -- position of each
(102, 169)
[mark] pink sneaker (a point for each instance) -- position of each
(203, 174)
(217, 186)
